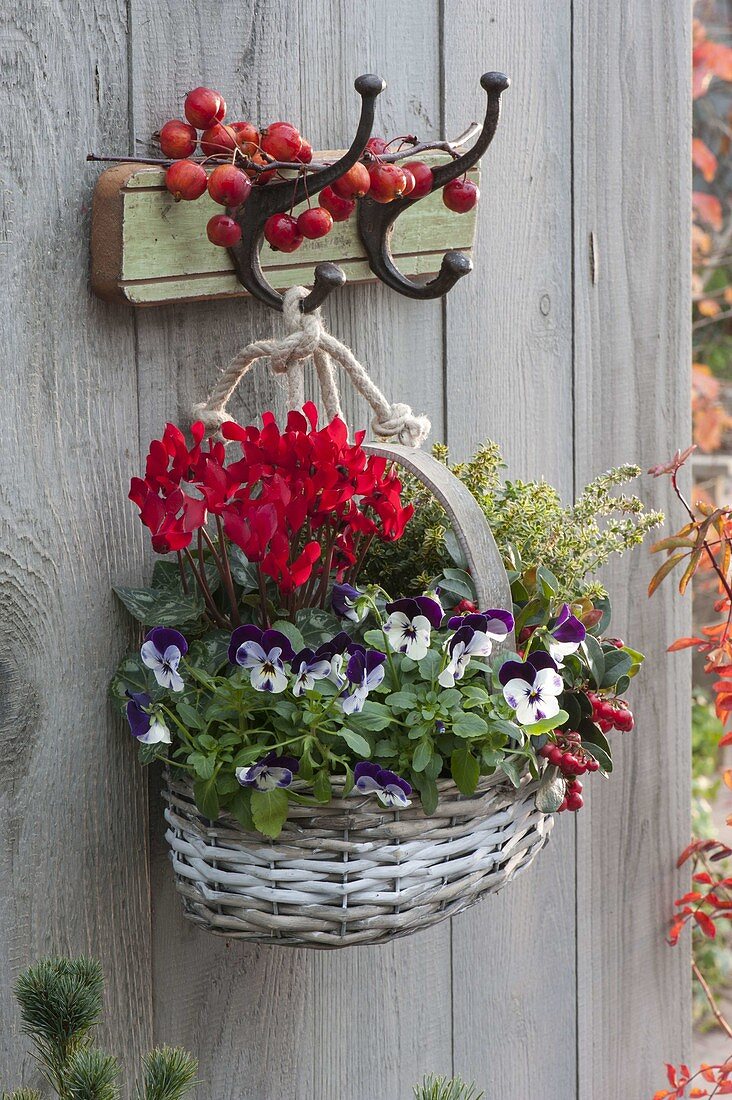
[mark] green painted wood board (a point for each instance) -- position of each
(148, 249)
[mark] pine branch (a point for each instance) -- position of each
(60, 1001)
(92, 1075)
(169, 1073)
(442, 1088)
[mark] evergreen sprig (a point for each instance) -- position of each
(443, 1088)
(529, 523)
(60, 1002)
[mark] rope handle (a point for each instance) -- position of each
(307, 338)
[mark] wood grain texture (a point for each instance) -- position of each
(73, 820)
(631, 191)
(265, 1022)
(509, 378)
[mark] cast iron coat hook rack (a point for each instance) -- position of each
(276, 198)
(376, 220)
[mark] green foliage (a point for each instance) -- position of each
(528, 521)
(60, 1002)
(169, 1073)
(442, 1088)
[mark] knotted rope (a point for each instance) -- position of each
(307, 338)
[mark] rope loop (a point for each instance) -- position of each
(306, 338)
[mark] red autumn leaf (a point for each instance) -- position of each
(703, 877)
(708, 209)
(684, 643)
(706, 924)
(704, 159)
(727, 739)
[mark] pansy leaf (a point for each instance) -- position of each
(551, 792)
(434, 767)
(546, 725)
(422, 754)
(240, 807)
(291, 632)
(269, 811)
(322, 789)
(428, 794)
(227, 784)
(469, 725)
(451, 697)
(204, 766)
(375, 639)
(160, 606)
(348, 782)
(429, 666)
(465, 770)
(316, 625)
(207, 797)
(401, 700)
(189, 716)
(355, 742)
(509, 729)
(513, 767)
(373, 718)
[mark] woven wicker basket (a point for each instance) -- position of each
(352, 871)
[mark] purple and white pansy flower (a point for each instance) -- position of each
(566, 636)
(161, 651)
(334, 652)
(389, 788)
(263, 653)
(345, 602)
(495, 623)
(269, 773)
(364, 672)
(309, 667)
(145, 723)
(411, 623)
(532, 687)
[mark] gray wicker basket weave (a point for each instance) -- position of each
(353, 871)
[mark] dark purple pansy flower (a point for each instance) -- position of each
(263, 652)
(271, 772)
(343, 600)
(466, 642)
(497, 624)
(147, 727)
(161, 651)
(365, 671)
(532, 687)
(410, 623)
(566, 636)
(389, 788)
(334, 651)
(309, 667)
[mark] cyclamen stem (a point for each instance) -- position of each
(226, 572)
(263, 597)
(211, 609)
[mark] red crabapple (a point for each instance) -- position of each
(423, 178)
(315, 223)
(282, 233)
(229, 185)
(223, 230)
(204, 107)
(354, 183)
(177, 139)
(387, 182)
(340, 209)
(185, 180)
(460, 195)
(281, 141)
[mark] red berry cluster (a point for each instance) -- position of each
(611, 715)
(245, 155)
(570, 758)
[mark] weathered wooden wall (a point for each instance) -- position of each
(561, 987)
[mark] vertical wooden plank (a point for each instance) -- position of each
(509, 378)
(73, 822)
(265, 1021)
(631, 200)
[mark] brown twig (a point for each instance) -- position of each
(716, 1011)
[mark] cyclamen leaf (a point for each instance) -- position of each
(356, 742)
(316, 625)
(291, 633)
(269, 811)
(465, 770)
(244, 572)
(160, 606)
